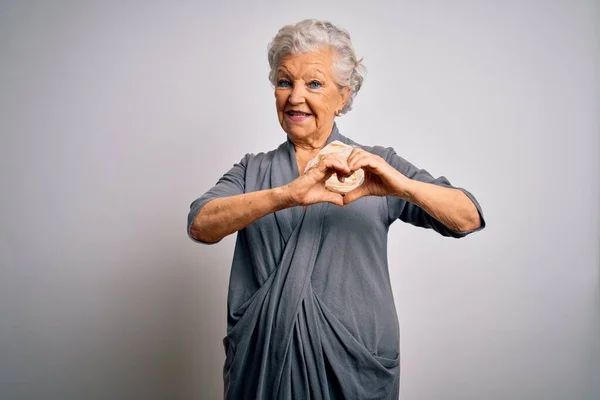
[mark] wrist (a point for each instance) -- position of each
(407, 188)
(283, 197)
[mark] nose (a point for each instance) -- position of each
(297, 94)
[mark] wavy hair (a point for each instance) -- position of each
(310, 35)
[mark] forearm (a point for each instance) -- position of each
(223, 216)
(450, 206)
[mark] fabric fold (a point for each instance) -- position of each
(310, 307)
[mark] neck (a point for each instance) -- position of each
(308, 148)
(314, 143)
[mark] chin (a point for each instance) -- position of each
(296, 131)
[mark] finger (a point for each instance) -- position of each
(359, 161)
(319, 176)
(367, 161)
(356, 194)
(356, 152)
(336, 157)
(333, 198)
(334, 164)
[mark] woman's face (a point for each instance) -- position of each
(307, 96)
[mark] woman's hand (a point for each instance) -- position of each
(310, 187)
(381, 179)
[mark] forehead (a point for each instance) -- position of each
(314, 61)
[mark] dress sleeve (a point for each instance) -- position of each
(230, 184)
(412, 213)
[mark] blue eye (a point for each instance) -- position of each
(315, 85)
(284, 83)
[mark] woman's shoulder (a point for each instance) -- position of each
(259, 159)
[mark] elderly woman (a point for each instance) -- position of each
(310, 307)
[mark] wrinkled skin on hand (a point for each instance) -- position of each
(380, 179)
(345, 184)
(310, 187)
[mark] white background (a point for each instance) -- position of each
(114, 116)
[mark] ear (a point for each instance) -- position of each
(345, 92)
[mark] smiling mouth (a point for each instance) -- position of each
(292, 113)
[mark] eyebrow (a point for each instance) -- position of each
(284, 70)
(318, 71)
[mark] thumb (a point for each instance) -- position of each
(334, 198)
(356, 194)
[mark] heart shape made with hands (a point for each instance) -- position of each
(333, 184)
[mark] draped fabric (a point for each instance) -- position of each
(310, 308)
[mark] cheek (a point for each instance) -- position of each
(280, 100)
(324, 103)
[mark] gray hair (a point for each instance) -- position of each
(310, 35)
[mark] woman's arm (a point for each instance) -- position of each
(223, 216)
(449, 206)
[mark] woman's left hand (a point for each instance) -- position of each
(381, 179)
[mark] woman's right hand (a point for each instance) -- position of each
(309, 188)
(223, 216)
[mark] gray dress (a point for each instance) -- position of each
(310, 307)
